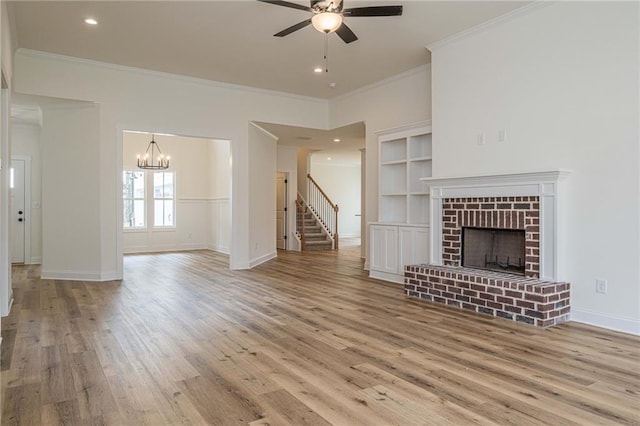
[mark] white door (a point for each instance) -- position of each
(17, 204)
(281, 210)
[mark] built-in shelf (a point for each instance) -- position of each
(400, 236)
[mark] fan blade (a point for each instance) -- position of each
(373, 11)
(288, 4)
(293, 28)
(346, 34)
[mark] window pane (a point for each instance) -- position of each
(127, 184)
(168, 213)
(168, 185)
(128, 214)
(133, 213)
(138, 185)
(132, 184)
(158, 213)
(157, 185)
(138, 208)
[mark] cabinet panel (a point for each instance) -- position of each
(384, 252)
(414, 246)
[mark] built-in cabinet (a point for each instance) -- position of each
(401, 235)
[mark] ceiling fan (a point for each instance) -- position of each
(328, 16)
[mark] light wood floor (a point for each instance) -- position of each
(304, 339)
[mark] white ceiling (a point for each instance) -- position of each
(232, 41)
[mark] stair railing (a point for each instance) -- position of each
(301, 211)
(324, 209)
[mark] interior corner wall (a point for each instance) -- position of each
(70, 193)
(262, 195)
(6, 65)
(144, 100)
(562, 80)
(398, 101)
(303, 155)
(219, 234)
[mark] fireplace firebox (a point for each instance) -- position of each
(494, 249)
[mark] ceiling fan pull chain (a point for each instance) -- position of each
(326, 52)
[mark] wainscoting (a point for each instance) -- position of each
(201, 224)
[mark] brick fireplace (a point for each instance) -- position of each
(521, 283)
(508, 213)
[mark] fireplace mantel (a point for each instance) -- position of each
(547, 185)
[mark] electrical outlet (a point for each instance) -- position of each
(601, 286)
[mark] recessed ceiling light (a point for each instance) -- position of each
(332, 85)
(90, 21)
(328, 158)
(317, 70)
(336, 140)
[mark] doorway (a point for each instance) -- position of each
(18, 215)
(281, 210)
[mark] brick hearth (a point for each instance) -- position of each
(520, 299)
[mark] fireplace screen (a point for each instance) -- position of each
(493, 249)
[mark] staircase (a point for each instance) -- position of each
(312, 233)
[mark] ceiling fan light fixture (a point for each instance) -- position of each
(326, 22)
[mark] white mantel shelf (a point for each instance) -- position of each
(545, 184)
(502, 178)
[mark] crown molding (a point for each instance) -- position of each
(176, 77)
(516, 13)
(401, 76)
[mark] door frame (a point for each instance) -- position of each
(27, 207)
(285, 225)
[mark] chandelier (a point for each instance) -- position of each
(146, 161)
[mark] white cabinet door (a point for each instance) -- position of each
(384, 249)
(414, 246)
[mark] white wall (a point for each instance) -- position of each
(25, 141)
(395, 102)
(562, 80)
(287, 162)
(6, 65)
(137, 99)
(220, 196)
(262, 195)
(341, 182)
(70, 193)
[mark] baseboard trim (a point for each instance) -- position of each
(78, 276)
(386, 276)
(260, 260)
(219, 249)
(610, 322)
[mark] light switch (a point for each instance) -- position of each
(481, 140)
(502, 135)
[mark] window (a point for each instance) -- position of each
(163, 199)
(144, 205)
(133, 196)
